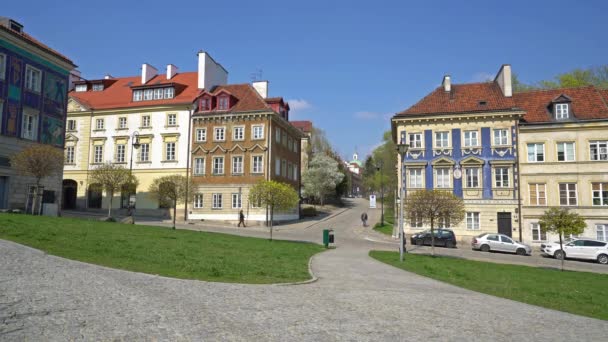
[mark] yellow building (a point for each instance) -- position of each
(564, 157)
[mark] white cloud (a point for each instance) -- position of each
(297, 106)
(482, 77)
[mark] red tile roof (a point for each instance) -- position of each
(463, 98)
(247, 99)
(587, 103)
(37, 43)
(304, 126)
(120, 95)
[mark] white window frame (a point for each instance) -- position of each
(501, 137)
(601, 147)
(172, 119)
(71, 125)
(416, 222)
(69, 154)
(97, 87)
(602, 194)
(138, 95)
(440, 174)
(217, 201)
(170, 151)
(537, 192)
(33, 83)
(201, 134)
(564, 146)
(562, 111)
(79, 88)
(145, 121)
(541, 236)
(536, 152)
(277, 135)
(442, 139)
(502, 178)
(121, 151)
(198, 201)
(238, 165)
(29, 126)
(603, 228)
(471, 138)
(158, 94)
(237, 201)
(238, 133)
(98, 154)
(218, 165)
(219, 133)
(416, 180)
(100, 124)
(277, 166)
(199, 166)
(223, 103)
(415, 140)
(148, 94)
(568, 193)
(257, 164)
(144, 152)
(473, 220)
(169, 93)
(122, 122)
(257, 132)
(472, 176)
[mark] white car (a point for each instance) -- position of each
(578, 249)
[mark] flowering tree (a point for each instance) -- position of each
(321, 177)
(273, 195)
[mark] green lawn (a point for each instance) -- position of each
(579, 293)
(155, 250)
(387, 228)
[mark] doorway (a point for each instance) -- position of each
(94, 196)
(504, 224)
(68, 199)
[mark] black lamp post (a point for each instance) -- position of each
(379, 168)
(135, 144)
(402, 150)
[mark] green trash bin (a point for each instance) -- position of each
(328, 237)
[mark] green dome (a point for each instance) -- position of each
(356, 161)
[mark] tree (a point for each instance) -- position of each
(431, 206)
(596, 76)
(273, 195)
(173, 188)
(38, 161)
(562, 222)
(112, 178)
(321, 177)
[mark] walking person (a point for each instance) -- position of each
(364, 219)
(241, 219)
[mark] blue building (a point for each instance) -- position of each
(34, 80)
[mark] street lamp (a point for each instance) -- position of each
(402, 149)
(379, 168)
(135, 144)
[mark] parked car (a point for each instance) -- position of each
(588, 249)
(443, 237)
(499, 242)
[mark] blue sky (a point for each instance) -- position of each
(345, 65)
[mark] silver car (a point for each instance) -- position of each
(499, 242)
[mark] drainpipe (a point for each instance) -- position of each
(188, 157)
(520, 215)
(86, 192)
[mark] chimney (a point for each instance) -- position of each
(504, 80)
(108, 77)
(261, 87)
(171, 71)
(147, 72)
(210, 73)
(447, 83)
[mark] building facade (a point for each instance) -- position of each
(239, 137)
(305, 127)
(463, 139)
(107, 116)
(33, 95)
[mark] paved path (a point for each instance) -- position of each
(356, 298)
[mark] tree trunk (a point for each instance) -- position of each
(35, 199)
(562, 249)
(432, 238)
(271, 220)
(111, 197)
(174, 212)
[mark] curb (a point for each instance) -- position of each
(327, 218)
(309, 281)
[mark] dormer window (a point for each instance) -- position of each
(137, 95)
(98, 87)
(561, 111)
(205, 104)
(153, 94)
(81, 87)
(169, 93)
(223, 103)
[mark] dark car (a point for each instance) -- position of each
(443, 237)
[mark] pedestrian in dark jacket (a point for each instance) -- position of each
(364, 219)
(241, 219)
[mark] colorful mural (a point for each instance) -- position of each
(52, 131)
(54, 94)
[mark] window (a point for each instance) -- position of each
(137, 95)
(537, 234)
(158, 93)
(600, 193)
(97, 87)
(505, 239)
(201, 134)
(238, 133)
(237, 165)
(257, 165)
(472, 175)
(120, 153)
(442, 139)
(80, 88)
(598, 150)
(416, 178)
(472, 221)
(205, 104)
(99, 124)
(69, 155)
(98, 156)
(561, 111)
(148, 94)
(277, 135)
(71, 125)
(277, 166)
(33, 79)
(171, 119)
(443, 222)
(284, 168)
(144, 152)
(2, 66)
(415, 140)
(145, 121)
(198, 201)
(219, 134)
(501, 137)
(217, 201)
(29, 127)
(170, 151)
(218, 165)
(567, 194)
(501, 177)
(537, 194)
(122, 122)
(222, 103)
(415, 221)
(442, 177)
(565, 151)
(470, 139)
(169, 93)
(536, 152)
(236, 201)
(258, 132)
(199, 166)
(602, 232)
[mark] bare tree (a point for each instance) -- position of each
(112, 178)
(38, 161)
(174, 188)
(431, 206)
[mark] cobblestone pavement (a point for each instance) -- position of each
(44, 298)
